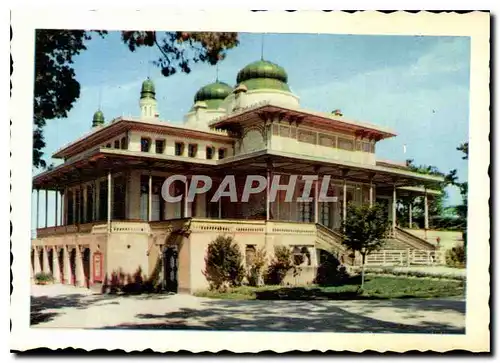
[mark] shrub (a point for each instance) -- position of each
(43, 278)
(330, 270)
(223, 264)
(255, 270)
(279, 266)
(456, 256)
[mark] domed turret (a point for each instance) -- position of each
(148, 89)
(263, 75)
(148, 102)
(213, 94)
(98, 119)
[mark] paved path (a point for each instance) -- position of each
(69, 307)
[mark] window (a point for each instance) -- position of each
(160, 146)
(179, 148)
(345, 144)
(222, 153)
(145, 144)
(117, 144)
(298, 257)
(108, 146)
(192, 150)
(210, 152)
(305, 211)
(124, 143)
(307, 255)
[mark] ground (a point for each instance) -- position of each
(70, 307)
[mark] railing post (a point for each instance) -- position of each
(408, 254)
(384, 257)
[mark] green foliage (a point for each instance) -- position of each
(456, 257)
(280, 265)
(376, 287)
(223, 264)
(365, 228)
(330, 271)
(43, 277)
(56, 87)
(256, 268)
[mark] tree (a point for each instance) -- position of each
(364, 231)
(56, 87)
(223, 264)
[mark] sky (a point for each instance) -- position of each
(416, 85)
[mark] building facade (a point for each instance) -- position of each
(112, 220)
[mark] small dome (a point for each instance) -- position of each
(148, 89)
(213, 94)
(263, 74)
(98, 118)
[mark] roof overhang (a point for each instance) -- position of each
(322, 121)
(121, 125)
(101, 160)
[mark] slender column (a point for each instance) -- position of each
(150, 197)
(55, 214)
(56, 269)
(45, 257)
(37, 209)
(80, 275)
(109, 201)
(96, 201)
(36, 263)
(74, 206)
(84, 217)
(268, 214)
(410, 213)
(371, 193)
(46, 207)
(66, 265)
(32, 270)
(344, 203)
(426, 210)
(316, 206)
(187, 212)
(65, 213)
(394, 200)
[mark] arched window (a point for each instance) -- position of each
(145, 144)
(298, 257)
(307, 255)
(123, 143)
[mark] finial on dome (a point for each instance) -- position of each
(148, 89)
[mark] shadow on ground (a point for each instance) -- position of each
(46, 308)
(296, 316)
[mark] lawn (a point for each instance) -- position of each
(376, 287)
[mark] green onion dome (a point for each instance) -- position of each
(263, 75)
(213, 94)
(98, 118)
(148, 89)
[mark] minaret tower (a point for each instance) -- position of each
(98, 119)
(148, 102)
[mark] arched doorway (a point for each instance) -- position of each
(72, 264)
(86, 266)
(60, 256)
(170, 267)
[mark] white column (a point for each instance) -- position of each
(96, 201)
(46, 207)
(80, 274)
(36, 261)
(150, 197)
(410, 213)
(74, 206)
(55, 214)
(37, 209)
(84, 200)
(109, 201)
(426, 211)
(56, 269)
(371, 193)
(66, 265)
(268, 214)
(187, 212)
(344, 203)
(394, 200)
(316, 206)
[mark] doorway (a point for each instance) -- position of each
(170, 268)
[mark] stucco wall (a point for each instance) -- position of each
(128, 252)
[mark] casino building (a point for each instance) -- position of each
(111, 219)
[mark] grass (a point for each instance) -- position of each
(376, 287)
